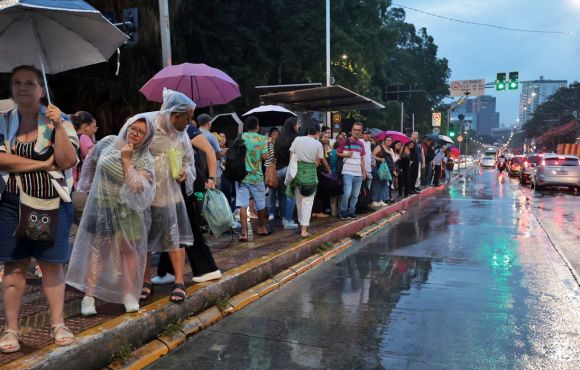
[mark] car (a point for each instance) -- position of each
(516, 165)
(487, 161)
(531, 161)
(557, 170)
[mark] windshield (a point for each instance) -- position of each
(569, 162)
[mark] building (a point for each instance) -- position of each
(481, 112)
(535, 93)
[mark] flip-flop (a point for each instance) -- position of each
(180, 295)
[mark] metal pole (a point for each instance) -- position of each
(413, 123)
(165, 32)
(402, 112)
(328, 122)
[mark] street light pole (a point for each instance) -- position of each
(328, 123)
(165, 32)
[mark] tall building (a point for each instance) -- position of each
(535, 93)
(480, 111)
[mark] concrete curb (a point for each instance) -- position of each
(95, 347)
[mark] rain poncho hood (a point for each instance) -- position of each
(110, 251)
(173, 153)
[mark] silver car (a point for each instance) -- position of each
(557, 170)
(487, 161)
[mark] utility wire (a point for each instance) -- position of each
(487, 24)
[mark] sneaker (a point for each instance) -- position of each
(343, 216)
(271, 218)
(131, 303)
(352, 216)
(376, 204)
(162, 280)
(207, 277)
(289, 225)
(88, 306)
(383, 204)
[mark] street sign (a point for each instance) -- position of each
(436, 130)
(460, 138)
(467, 87)
(436, 119)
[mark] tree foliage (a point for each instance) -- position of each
(263, 42)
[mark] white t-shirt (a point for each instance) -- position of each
(307, 149)
(368, 158)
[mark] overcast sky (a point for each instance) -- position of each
(480, 52)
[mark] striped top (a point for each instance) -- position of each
(270, 157)
(352, 165)
(36, 184)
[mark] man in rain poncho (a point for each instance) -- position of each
(110, 251)
(174, 164)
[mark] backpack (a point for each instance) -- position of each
(235, 166)
(201, 170)
(450, 164)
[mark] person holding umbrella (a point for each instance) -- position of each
(34, 138)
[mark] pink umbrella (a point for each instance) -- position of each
(205, 85)
(454, 152)
(395, 135)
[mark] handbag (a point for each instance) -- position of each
(292, 170)
(38, 218)
(270, 177)
(329, 184)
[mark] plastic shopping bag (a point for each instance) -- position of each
(216, 211)
(175, 159)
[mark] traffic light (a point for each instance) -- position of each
(500, 82)
(451, 130)
(513, 84)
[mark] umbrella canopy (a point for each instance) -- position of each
(454, 152)
(439, 139)
(270, 115)
(55, 35)
(230, 124)
(375, 131)
(205, 85)
(395, 135)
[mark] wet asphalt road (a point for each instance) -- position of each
(473, 279)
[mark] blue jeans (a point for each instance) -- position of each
(350, 192)
(428, 173)
(380, 189)
(287, 204)
(448, 174)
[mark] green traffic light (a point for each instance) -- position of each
(500, 86)
(513, 85)
(452, 134)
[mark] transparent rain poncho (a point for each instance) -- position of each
(173, 155)
(110, 251)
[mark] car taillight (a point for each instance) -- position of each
(544, 162)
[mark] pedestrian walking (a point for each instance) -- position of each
(352, 152)
(253, 184)
(173, 159)
(308, 152)
(110, 251)
(34, 138)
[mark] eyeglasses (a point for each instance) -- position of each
(136, 131)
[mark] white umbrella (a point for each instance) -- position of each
(56, 35)
(270, 115)
(446, 139)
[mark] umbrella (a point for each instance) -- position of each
(270, 115)
(205, 85)
(439, 139)
(230, 124)
(454, 152)
(395, 135)
(55, 35)
(375, 131)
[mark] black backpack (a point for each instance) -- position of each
(235, 166)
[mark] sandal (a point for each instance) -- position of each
(269, 232)
(61, 339)
(180, 295)
(243, 238)
(146, 294)
(9, 341)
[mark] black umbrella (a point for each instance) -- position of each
(438, 139)
(230, 124)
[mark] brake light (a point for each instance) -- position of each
(544, 162)
(562, 158)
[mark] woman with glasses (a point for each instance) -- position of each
(110, 252)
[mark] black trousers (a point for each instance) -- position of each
(414, 174)
(404, 176)
(436, 175)
(199, 255)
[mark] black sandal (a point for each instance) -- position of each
(179, 295)
(145, 295)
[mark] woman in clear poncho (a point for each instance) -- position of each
(174, 164)
(110, 251)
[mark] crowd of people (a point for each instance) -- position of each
(140, 192)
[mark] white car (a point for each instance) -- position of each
(487, 161)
